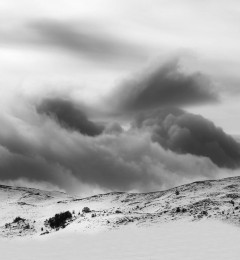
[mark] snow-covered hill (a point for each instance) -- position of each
(26, 212)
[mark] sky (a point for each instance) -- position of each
(105, 95)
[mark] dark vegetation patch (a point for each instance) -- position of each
(59, 220)
(18, 219)
(25, 204)
(20, 226)
(86, 210)
(232, 186)
(232, 196)
(204, 203)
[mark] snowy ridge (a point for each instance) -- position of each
(211, 199)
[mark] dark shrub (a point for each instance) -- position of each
(27, 226)
(59, 220)
(177, 192)
(86, 210)
(178, 210)
(118, 211)
(17, 219)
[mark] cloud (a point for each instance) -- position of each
(78, 39)
(52, 140)
(40, 151)
(187, 133)
(109, 163)
(113, 128)
(164, 86)
(69, 116)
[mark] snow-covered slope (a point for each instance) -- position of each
(215, 200)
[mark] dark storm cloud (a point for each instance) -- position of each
(55, 142)
(80, 39)
(164, 86)
(69, 116)
(43, 151)
(187, 133)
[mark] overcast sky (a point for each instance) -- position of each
(100, 95)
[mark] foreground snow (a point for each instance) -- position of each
(217, 200)
(176, 240)
(195, 221)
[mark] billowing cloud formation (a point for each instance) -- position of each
(55, 142)
(126, 161)
(165, 86)
(186, 133)
(69, 116)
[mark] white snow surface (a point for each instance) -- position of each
(200, 220)
(169, 241)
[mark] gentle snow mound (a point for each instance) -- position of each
(178, 240)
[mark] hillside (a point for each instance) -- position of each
(24, 211)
